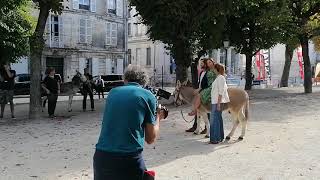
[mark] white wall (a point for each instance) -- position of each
(21, 67)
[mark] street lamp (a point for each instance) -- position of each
(226, 46)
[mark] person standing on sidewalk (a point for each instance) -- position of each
(52, 87)
(7, 77)
(100, 87)
(87, 89)
(131, 117)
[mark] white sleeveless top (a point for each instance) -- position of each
(219, 87)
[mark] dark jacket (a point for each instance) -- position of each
(204, 83)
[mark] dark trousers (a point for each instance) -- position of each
(100, 91)
(52, 102)
(109, 166)
(84, 103)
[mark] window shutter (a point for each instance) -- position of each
(75, 4)
(108, 33)
(102, 66)
(114, 34)
(95, 67)
(82, 65)
(61, 33)
(82, 31)
(93, 5)
(47, 34)
(89, 31)
(108, 66)
(67, 31)
(120, 8)
(119, 66)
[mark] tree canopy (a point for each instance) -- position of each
(254, 25)
(188, 27)
(15, 29)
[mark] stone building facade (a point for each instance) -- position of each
(153, 56)
(88, 34)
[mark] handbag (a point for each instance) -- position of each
(149, 175)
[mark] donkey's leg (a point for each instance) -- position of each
(207, 125)
(70, 102)
(243, 122)
(235, 122)
(198, 129)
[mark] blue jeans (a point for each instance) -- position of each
(216, 125)
(111, 166)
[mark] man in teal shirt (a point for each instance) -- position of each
(130, 118)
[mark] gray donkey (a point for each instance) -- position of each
(238, 107)
(69, 89)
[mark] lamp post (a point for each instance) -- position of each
(226, 46)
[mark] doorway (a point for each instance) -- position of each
(57, 64)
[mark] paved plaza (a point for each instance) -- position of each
(282, 142)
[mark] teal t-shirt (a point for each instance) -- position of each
(127, 110)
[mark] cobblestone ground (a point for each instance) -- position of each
(282, 142)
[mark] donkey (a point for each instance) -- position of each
(69, 89)
(238, 107)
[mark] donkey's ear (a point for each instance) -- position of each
(185, 83)
(178, 84)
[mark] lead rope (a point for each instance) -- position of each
(185, 118)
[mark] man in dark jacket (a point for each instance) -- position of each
(87, 90)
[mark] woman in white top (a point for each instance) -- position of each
(219, 96)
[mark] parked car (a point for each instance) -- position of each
(22, 84)
(110, 81)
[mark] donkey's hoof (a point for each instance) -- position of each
(70, 110)
(196, 133)
(206, 136)
(228, 138)
(240, 138)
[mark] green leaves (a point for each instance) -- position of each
(186, 26)
(14, 31)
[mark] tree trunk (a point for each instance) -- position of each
(304, 40)
(36, 48)
(287, 65)
(194, 73)
(248, 71)
(181, 73)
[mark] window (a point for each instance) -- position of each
(148, 57)
(129, 12)
(111, 34)
(114, 66)
(136, 29)
(112, 6)
(138, 55)
(84, 4)
(85, 31)
(129, 56)
(55, 26)
(129, 29)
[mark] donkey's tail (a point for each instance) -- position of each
(246, 109)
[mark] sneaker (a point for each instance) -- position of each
(52, 116)
(13, 117)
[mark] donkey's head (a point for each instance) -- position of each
(78, 79)
(183, 93)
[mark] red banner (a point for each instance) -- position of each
(300, 62)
